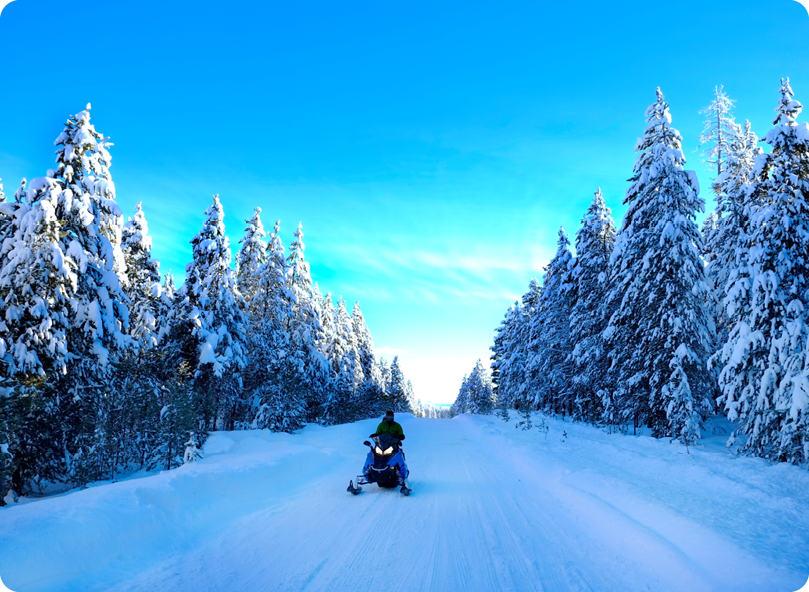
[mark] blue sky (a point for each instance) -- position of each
(431, 150)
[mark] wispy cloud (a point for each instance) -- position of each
(437, 276)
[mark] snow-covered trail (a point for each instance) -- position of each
(492, 508)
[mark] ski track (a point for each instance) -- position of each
(492, 508)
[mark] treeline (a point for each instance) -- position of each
(661, 324)
(476, 394)
(105, 370)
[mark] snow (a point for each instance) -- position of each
(492, 508)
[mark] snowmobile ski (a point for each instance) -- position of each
(353, 490)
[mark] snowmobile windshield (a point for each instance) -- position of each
(386, 444)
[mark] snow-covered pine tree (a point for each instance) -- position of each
(91, 230)
(511, 349)
(165, 306)
(251, 257)
(719, 130)
(764, 374)
(365, 344)
(708, 229)
(659, 333)
(342, 404)
(588, 316)
(720, 137)
(504, 338)
(728, 241)
(397, 389)
(305, 329)
(37, 286)
(550, 347)
(479, 397)
(210, 325)
(384, 371)
(91, 226)
(278, 391)
(461, 403)
(143, 281)
(371, 391)
(344, 325)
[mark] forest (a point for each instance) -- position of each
(109, 368)
(661, 324)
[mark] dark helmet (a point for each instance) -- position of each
(389, 416)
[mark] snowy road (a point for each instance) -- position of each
(493, 508)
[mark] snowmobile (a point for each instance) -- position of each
(385, 465)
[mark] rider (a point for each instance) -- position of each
(388, 426)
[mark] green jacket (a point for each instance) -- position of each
(390, 428)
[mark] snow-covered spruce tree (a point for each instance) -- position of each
(588, 316)
(342, 404)
(658, 335)
(91, 234)
(479, 397)
(505, 337)
(168, 293)
(278, 390)
(397, 388)
(37, 287)
(251, 257)
(344, 325)
(511, 350)
(549, 362)
(91, 226)
(209, 326)
(143, 281)
(461, 402)
(305, 329)
(719, 130)
(727, 243)
(764, 376)
(372, 391)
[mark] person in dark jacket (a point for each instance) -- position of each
(388, 426)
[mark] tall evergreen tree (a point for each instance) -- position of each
(251, 257)
(511, 351)
(210, 326)
(66, 274)
(371, 394)
(660, 331)
(278, 393)
(143, 280)
(588, 316)
(304, 329)
(461, 402)
(764, 374)
(719, 130)
(478, 395)
(550, 346)
(728, 241)
(397, 389)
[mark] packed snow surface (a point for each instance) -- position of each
(492, 508)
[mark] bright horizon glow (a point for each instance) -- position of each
(430, 151)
